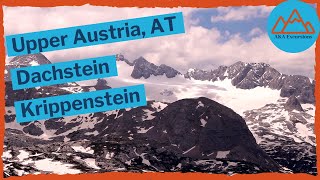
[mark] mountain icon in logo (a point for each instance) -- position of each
(294, 25)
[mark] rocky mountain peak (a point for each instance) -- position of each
(213, 75)
(29, 60)
(143, 68)
(293, 104)
(251, 75)
(247, 75)
(24, 61)
(203, 128)
(142, 60)
(198, 74)
(101, 84)
(120, 57)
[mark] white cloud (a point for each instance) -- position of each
(255, 32)
(30, 19)
(198, 47)
(241, 13)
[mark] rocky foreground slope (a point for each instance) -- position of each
(188, 135)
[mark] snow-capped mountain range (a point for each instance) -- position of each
(274, 130)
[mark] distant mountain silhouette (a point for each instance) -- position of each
(294, 25)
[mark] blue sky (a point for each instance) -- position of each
(242, 27)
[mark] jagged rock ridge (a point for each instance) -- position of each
(251, 75)
(143, 68)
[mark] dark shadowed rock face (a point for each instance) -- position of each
(33, 129)
(7, 76)
(202, 128)
(293, 104)
(143, 68)
(299, 86)
(101, 84)
(248, 76)
(17, 95)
